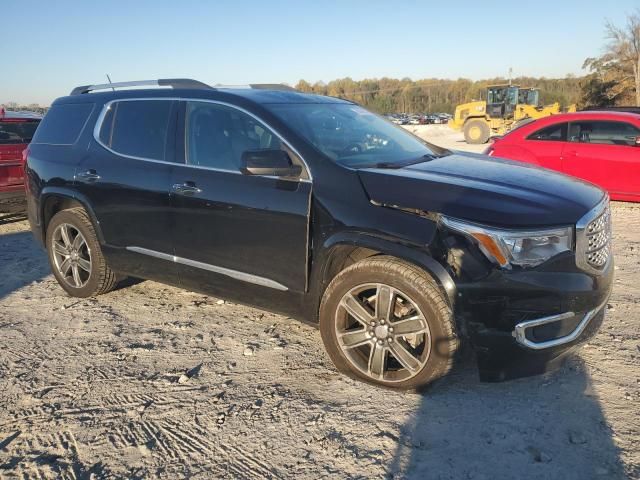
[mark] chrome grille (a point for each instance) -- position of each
(593, 238)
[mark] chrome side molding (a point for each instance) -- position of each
(520, 331)
(245, 277)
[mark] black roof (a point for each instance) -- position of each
(186, 88)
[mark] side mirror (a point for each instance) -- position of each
(271, 163)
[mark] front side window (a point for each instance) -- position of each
(604, 133)
(17, 132)
(553, 133)
(137, 128)
(217, 136)
(354, 137)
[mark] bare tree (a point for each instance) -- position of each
(621, 60)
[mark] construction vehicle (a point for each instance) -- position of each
(504, 108)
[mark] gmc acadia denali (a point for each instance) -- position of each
(316, 208)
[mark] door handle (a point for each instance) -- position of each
(186, 188)
(88, 176)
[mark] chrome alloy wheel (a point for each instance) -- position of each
(71, 255)
(382, 332)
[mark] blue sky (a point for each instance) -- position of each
(63, 43)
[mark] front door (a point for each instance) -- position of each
(547, 145)
(234, 231)
(126, 180)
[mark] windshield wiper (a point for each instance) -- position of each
(425, 158)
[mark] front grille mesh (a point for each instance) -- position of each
(598, 236)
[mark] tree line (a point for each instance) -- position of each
(431, 95)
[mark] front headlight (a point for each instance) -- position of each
(515, 247)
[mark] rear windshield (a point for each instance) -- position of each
(63, 123)
(17, 132)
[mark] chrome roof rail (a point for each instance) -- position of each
(260, 86)
(163, 82)
(272, 86)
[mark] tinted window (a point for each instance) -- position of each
(218, 135)
(63, 123)
(137, 128)
(607, 133)
(556, 133)
(17, 132)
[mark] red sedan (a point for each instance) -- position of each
(600, 147)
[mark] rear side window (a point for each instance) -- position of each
(553, 133)
(63, 124)
(137, 128)
(17, 132)
(606, 133)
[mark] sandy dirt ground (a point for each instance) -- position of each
(151, 381)
(444, 136)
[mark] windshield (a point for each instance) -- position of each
(17, 132)
(354, 137)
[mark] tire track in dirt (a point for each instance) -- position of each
(183, 443)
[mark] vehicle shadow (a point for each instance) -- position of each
(549, 426)
(22, 261)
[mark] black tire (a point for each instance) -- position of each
(476, 132)
(101, 278)
(422, 290)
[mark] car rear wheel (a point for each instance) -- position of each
(476, 132)
(387, 322)
(75, 255)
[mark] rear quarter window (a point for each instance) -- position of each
(63, 124)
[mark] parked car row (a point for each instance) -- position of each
(419, 119)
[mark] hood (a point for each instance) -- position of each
(485, 190)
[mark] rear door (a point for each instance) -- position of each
(126, 181)
(604, 153)
(237, 233)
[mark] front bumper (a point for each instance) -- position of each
(523, 323)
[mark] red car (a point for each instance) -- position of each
(600, 147)
(16, 130)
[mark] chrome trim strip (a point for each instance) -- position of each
(135, 83)
(521, 329)
(245, 277)
(107, 106)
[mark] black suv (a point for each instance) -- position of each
(316, 208)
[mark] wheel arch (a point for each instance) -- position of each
(346, 248)
(55, 199)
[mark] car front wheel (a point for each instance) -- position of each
(385, 321)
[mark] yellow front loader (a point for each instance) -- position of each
(506, 105)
